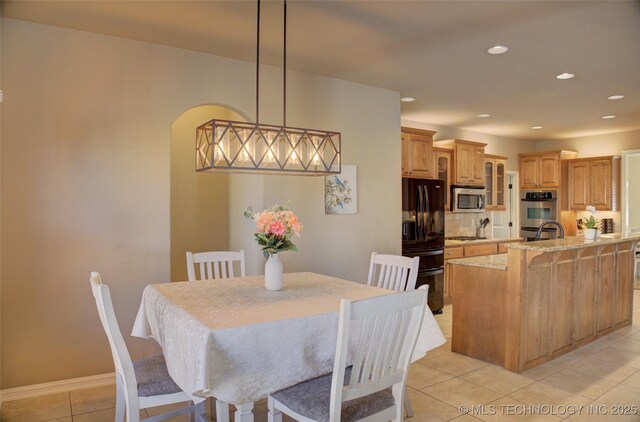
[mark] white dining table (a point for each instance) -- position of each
(236, 341)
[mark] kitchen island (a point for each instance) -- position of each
(542, 299)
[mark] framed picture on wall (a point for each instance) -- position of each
(341, 192)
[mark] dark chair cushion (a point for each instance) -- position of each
(153, 377)
(312, 399)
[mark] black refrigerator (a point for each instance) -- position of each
(423, 234)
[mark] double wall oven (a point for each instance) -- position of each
(536, 207)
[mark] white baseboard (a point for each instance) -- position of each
(36, 390)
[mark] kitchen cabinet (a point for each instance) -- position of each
(467, 160)
(417, 153)
(542, 170)
(465, 251)
(495, 176)
(450, 253)
(594, 181)
(544, 304)
(442, 166)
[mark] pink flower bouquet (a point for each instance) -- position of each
(275, 227)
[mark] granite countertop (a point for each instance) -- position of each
(479, 241)
(573, 242)
(496, 262)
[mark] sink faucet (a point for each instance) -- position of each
(546, 223)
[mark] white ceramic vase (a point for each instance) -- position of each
(273, 273)
(590, 234)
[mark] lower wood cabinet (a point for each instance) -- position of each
(452, 252)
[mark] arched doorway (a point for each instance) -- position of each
(199, 209)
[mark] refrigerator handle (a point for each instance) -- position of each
(427, 210)
(423, 210)
(418, 207)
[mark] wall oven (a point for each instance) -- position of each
(536, 207)
(467, 199)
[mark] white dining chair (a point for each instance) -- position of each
(397, 273)
(214, 265)
(372, 388)
(393, 272)
(141, 384)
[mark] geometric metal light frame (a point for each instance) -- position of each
(226, 145)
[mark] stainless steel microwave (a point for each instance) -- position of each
(467, 199)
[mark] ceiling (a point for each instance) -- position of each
(434, 51)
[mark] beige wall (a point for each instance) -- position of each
(495, 144)
(341, 245)
(245, 190)
(593, 146)
(199, 201)
(633, 197)
(86, 182)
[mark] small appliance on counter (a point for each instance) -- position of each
(423, 234)
(606, 225)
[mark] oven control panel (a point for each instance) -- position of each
(540, 195)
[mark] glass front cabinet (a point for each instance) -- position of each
(442, 158)
(495, 168)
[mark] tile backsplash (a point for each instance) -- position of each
(599, 216)
(465, 224)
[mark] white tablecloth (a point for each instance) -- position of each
(236, 341)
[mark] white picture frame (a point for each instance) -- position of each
(341, 192)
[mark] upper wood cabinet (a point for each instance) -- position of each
(594, 181)
(468, 161)
(442, 164)
(542, 170)
(417, 153)
(495, 176)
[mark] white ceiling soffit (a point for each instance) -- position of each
(434, 51)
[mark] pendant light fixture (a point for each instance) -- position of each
(225, 145)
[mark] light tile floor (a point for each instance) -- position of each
(603, 376)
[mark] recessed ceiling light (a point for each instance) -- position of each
(610, 116)
(484, 115)
(536, 127)
(615, 97)
(498, 49)
(407, 99)
(565, 75)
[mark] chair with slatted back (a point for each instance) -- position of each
(384, 330)
(141, 384)
(214, 265)
(397, 273)
(393, 272)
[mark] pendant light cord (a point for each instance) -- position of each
(258, 66)
(284, 69)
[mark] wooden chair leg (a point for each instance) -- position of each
(407, 404)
